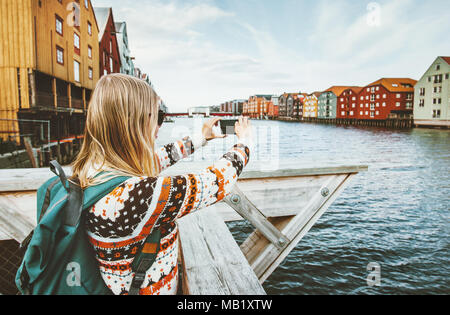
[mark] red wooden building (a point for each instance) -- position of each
(109, 48)
(347, 103)
(386, 98)
(273, 110)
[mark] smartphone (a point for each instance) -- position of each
(227, 126)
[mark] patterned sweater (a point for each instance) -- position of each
(120, 222)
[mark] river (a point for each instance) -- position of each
(394, 216)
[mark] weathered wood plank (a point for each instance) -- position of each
(13, 224)
(242, 205)
(213, 263)
(32, 179)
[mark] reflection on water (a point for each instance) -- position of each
(396, 214)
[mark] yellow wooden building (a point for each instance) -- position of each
(49, 64)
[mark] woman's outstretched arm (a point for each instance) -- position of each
(172, 153)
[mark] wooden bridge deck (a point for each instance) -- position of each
(282, 205)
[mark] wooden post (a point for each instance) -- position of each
(29, 149)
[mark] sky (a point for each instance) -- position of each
(206, 52)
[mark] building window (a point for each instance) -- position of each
(76, 71)
(351, 113)
(372, 114)
(384, 104)
(90, 52)
(397, 104)
(422, 103)
(437, 113)
(361, 113)
(76, 43)
(438, 67)
(422, 92)
(384, 95)
(438, 78)
(429, 79)
(86, 4)
(446, 76)
(89, 28)
(90, 73)
(59, 25)
(398, 95)
(377, 113)
(111, 65)
(59, 55)
(110, 46)
(409, 97)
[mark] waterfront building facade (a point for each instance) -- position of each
(108, 44)
(48, 66)
(126, 60)
(386, 98)
(432, 95)
(310, 106)
(258, 105)
(327, 102)
(347, 103)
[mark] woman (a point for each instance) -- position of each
(121, 128)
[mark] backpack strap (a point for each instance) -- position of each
(144, 260)
(56, 168)
(46, 204)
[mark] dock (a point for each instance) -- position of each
(282, 205)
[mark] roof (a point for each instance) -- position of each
(338, 90)
(267, 97)
(446, 59)
(119, 25)
(102, 15)
(396, 84)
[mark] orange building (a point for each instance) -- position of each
(48, 64)
(258, 105)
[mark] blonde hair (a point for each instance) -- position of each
(120, 131)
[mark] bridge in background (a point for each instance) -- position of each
(201, 114)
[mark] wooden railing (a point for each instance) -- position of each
(281, 204)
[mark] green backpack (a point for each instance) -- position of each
(59, 260)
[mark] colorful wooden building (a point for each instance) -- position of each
(432, 95)
(258, 105)
(298, 103)
(126, 60)
(327, 102)
(387, 98)
(347, 103)
(107, 41)
(310, 106)
(48, 65)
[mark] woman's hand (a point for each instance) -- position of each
(244, 129)
(207, 129)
